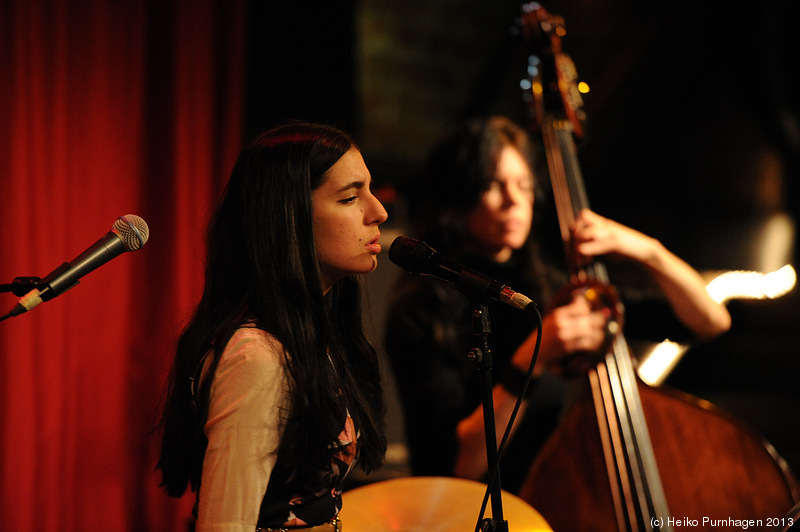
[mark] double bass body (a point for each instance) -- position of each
(716, 473)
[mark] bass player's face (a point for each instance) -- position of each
(501, 222)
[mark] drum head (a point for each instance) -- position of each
(430, 504)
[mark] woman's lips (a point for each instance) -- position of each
(373, 246)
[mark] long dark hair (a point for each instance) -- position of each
(262, 268)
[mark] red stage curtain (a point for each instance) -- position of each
(106, 109)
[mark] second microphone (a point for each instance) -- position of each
(416, 256)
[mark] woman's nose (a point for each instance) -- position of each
(378, 214)
(512, 194)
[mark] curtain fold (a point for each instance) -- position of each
(107, 108)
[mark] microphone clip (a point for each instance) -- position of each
(21, 285)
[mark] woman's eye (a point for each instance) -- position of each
(351, 199)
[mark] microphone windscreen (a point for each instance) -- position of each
(410, 254)
(132, 230)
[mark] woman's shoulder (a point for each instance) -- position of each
(252, 350)
(250, 333)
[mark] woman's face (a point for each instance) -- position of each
(346, 217)
(501, 222)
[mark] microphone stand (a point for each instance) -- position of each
(482, 357)
(20, 285)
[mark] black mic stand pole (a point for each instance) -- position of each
(482, 357)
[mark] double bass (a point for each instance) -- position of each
(627, 456)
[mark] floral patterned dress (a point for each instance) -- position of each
(288, 503)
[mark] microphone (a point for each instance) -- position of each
(416, 256)
(128, 233)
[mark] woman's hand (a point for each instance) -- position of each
(574, 336)
(595, 235)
